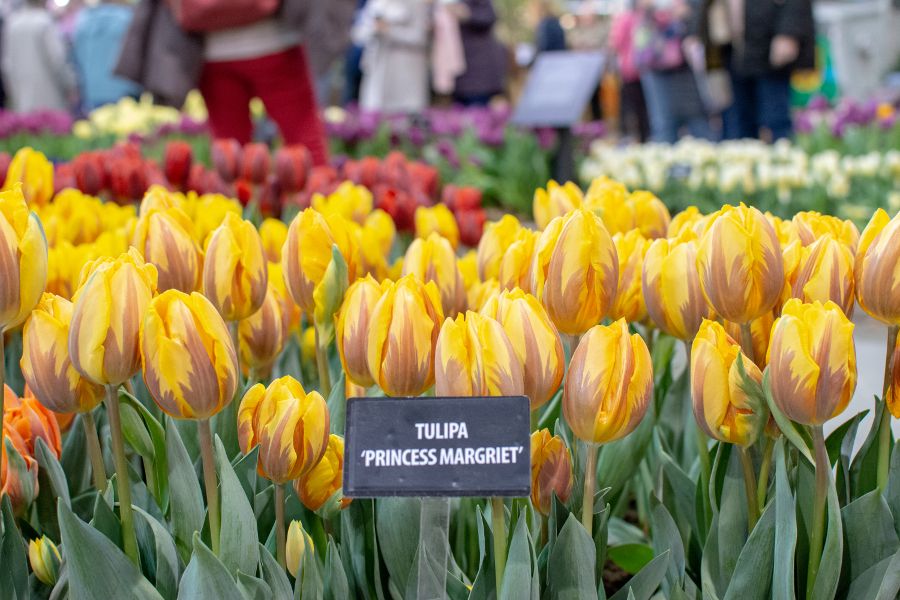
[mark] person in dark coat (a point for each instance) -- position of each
(760, 42)
(549, 35)
(485, 73)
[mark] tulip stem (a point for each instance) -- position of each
(94, 451)
(747, 342)
(498, 521)
(817, 535)
(750, 488)
(590, 480)
(280, 540)
(702, 448)
(884, 427)
(762, 487)
(123, 480)
(236, 339)
(322, 364)
(209, 480)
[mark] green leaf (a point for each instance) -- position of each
(752, 577)
(631, 558)
(826, 583)
(643, 585)
(274, 575)
(835, 440)
(135, 432)
(96, 567)
(224, 426)
(881, 581)
(13, 561)
(162, 553)
(253, 588)
(206, 577)
(358, 541)
(864, 469)
(785, 530)
(619, 460)
(157, 481)
(186, 510)
(517, 576)
(337, 405)
(74, 460)
(785, 424)
(17, 468)
(892, 494)
(397, 526)
(336, 586)
(51, 467)
(869, 532)
(104, 519)
(666, 536)
(309, 580)
(238, 533)
(571, 564)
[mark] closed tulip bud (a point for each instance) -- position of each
(534, 340)
(609, 385)
(164, 238)
(325, 480)
(235, 276)
(722, 405)
(621, 213)
(352, 327)
(812, 361)
(551, 470)
(403, 332)
(273, 233)
(379, 229)
(433, 259)
(892, 398)
(515, 266)
(159, 198)
(474, 357)
(45, 560)
(877, 278)
(308, 253)
(741, 265)
(760, 333)
(23, 259)
(481, 292)
(289, 426)
(468, 267)
(494, 243)
(576, 271)
(555, 201)
(189, 362)
(686, 220)
(290, 309)
(292, 167)
(297, 545)
(437, 219)
(32, 169)
(32, 421)
(46, 366)
(629, 304)
(18, 470)
(812, 225)
(106, 319)
(825, 272)
(263, 334)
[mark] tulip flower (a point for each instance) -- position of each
(555, 201)
(291, 311)
(273, 233)
(164, 239)
(437, 219)
(515, 265)
(32, 421)
(45, 560)
(298, 544)
(687, 220)
(379, 227)
(474, 357)
(760, 332)
(18, 471)
(740, 262)
(352, 327)
(824, 272)
(433, 259)
(576, 271)
(208, 212)
(494, 243)
(468, 267)
(877, 279)
(158, 197)
(350, 201)
(785, 231)
(812, 225)
(234, 273)
(481, 292)
(621, 212)
(32, 169)
(535, 341)
(551, 470)
(629, 303)
(325, 480)
(23, 259)
(263, 334)
(403, 332)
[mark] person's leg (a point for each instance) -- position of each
(227, 96)
(774, 104)
(741, 119)
(661, 125)
(640, 110)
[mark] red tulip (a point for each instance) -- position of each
(178, 158)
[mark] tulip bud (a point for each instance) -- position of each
(480, 293)
(255, 163)
(811, 226)
(824, 272)
(177, 162)
(292, 166)
(208, 212)
(433, 259)
(106, 319)
(288, 307)
(403, 332)
(534, 340)
(555, 201)
(46, 366)
(609, 385)
(379, 229)
(576, 271)
(18, 470)
(273, 233)
(629, 304)
(892, 398)
(468, 268)
(352, 202)
(189, 362)
(812, 361)
(289, 426)
(877, 278)
(722, 405)
(325, 480)
(740, 262)
(515, 265)
(45, 560)
(163, 237)
(760, 332)
(263, 334)
(494, 243)
(23, 259)
(31, 420)
(551, 470)
(298, 544)
(651, 216)
(235, 274)
(159, 198)
(690, 219)
(32, 169)
(474, 357)
(437, 219)
(352, 327)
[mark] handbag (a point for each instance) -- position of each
(201, 16)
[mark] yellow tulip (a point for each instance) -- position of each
(46, 366)
(576, 271)
(352, 327)
(273, 233)
(325, 480)
(534, 340)
(515, 266)
(474, 357)
(159, 198)
(688, 219)
(609, 385)
(308, 345)
(876, 274)
(741, 265)
(379, 228)
(468, 268)
(106, 319)
(494, 243)
(263, 334)
(812, 225)
(32, 169)
(403, 331)
(45, 560)
(235, 276)
(785, 230)
(298, 544)
(23, 259)
(350, 201)
(760, 333)
(288, 307)
(825, 272)
(289, 426)
(609, 200)
(78, 218)
(481, 292)
(639, 210)
(555, 201)
(629, 304)
(433, 259)
(437, 219)
(722, 406)
(812, 361)
(207, 212)
(551, 470)
(164, 238)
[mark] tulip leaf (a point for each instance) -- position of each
(571, 564)
(274, 576)
(864, 469)
(74, 460)
(631, 558)
(206, 578)
(643, 585)
(358, 541)
(892, 494)
(336, 585)
(397, 526)
(104, 519)
(869, 532)
(224, 425)
(17, 469)
(666, 536)
(752, 577)
(785, 424)
(238, 522)
(337, 405)
(618, 461)
(96, 567)
(252, 588)
(13, 561)
(158, 481)
(785, 529)
(881, 581)
(135, 432)
(517, 578)
(832, 552)
(309, 579)
(159, 551)
(186, 509)
(50, 465)
(728, 528)
(835, 441)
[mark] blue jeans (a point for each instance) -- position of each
(763, 101)
(673, 102)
